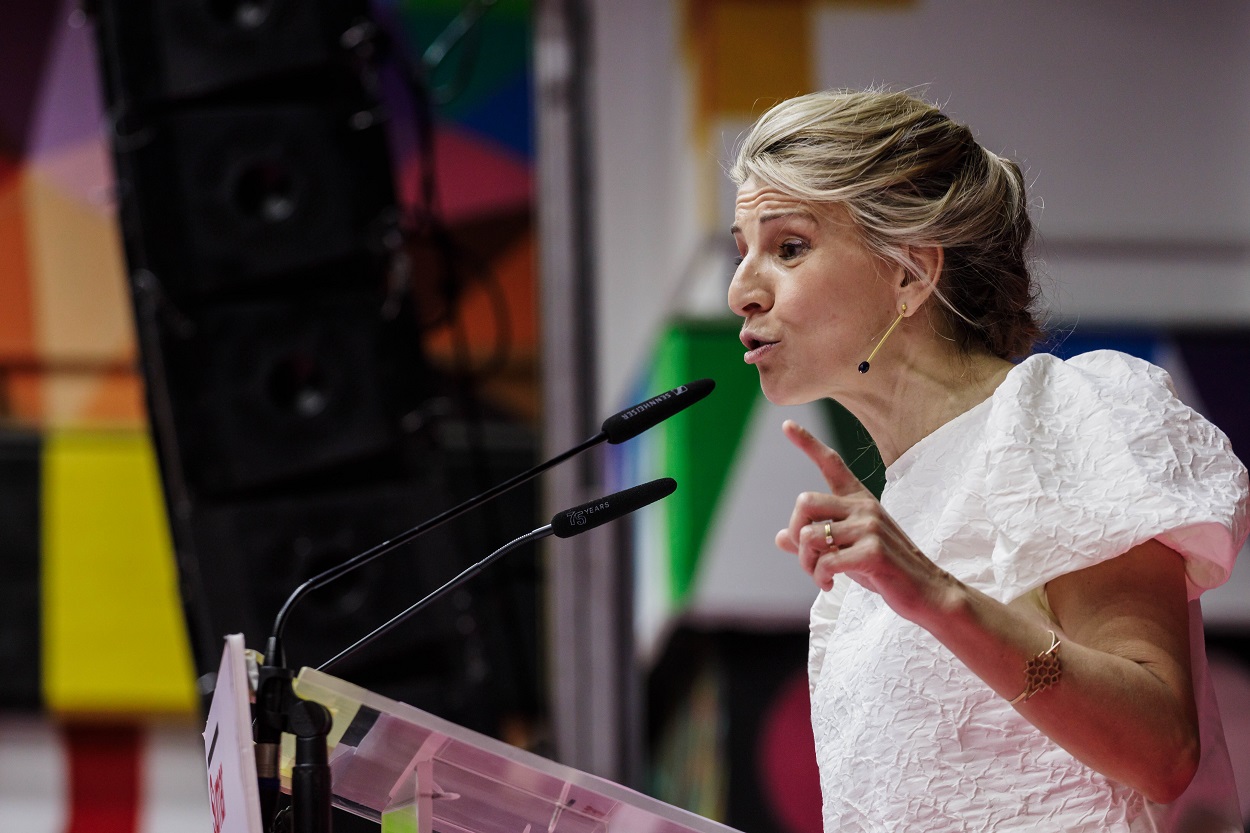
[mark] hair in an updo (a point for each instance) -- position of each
(910, 176)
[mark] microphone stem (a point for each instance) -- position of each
(468, 573)
(333, 573)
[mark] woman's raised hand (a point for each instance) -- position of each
(847, 530)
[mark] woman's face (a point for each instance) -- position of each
(812, 295)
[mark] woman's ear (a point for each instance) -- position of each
(916, 287)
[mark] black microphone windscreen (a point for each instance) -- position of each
(583, 518)
(633, 421)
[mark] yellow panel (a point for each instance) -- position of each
(750, 54)
(745, 56)
(114, 640)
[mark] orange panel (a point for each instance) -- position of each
(516, 271)
(104, 398)
(17, 326)
(22, 396)
(513, 387)
(512, 277)
(116, 400)
(107, 399)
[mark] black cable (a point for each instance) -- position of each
(425, 221)
(455, 269)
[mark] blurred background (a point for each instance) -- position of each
(280, 280)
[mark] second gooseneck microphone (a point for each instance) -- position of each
(564, 524)
(274, 689)
(617, 428)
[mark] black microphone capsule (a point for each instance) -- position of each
(631, 422)
(586, 517)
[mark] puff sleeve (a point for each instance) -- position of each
(1090, 457)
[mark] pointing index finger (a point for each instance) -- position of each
(840, 479)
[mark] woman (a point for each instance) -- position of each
(1006, 641)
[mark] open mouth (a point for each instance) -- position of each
(756, 347)
(752, 342)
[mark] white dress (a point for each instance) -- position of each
(1068, 464)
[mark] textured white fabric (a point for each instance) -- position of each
(1066, 465)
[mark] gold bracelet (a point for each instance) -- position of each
(1041, 672)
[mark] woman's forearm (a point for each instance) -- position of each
(1121, 706)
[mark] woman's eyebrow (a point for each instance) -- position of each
(770, 216)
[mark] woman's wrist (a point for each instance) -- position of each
(948, 601)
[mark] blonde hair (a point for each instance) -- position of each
(910, 176)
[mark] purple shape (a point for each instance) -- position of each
(68, 110)
(1216, 361)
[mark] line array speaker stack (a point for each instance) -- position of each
(283, 360)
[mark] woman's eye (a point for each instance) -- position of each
(738, 261)
(791, 249)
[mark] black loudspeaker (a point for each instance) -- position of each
(261, 232)
(295, 416)
(471, 657)
(263, 393)
(170, 50)
(229, 199)
(259, 550)
(249, 143)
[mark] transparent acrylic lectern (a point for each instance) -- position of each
(413, 772)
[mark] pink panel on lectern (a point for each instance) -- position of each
(475, 784)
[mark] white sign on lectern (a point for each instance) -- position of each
(233, 794)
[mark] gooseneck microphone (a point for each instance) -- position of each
(617, 428)
(564, 524)
(631, 422)
(276, 708)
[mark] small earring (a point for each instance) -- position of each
(863, 366)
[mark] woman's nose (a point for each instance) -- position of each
(746, 293)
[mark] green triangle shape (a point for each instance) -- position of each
(699, 445)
